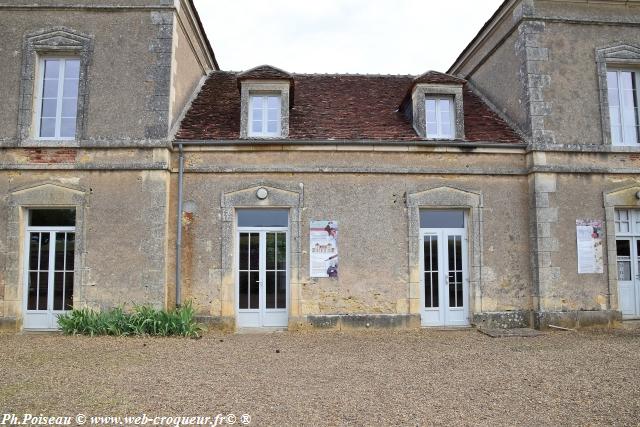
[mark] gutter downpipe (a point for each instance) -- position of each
(179, 228)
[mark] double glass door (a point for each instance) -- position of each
(262, 277)
(49, 274)
(444, 277)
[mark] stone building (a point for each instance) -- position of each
(504, 192)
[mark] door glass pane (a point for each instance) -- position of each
(281, 251)
(455, 271)
(271, 251)
(71, 250)
(43, 290)
(44, 251)
(60, 246)
(52, 217)
(243, 284)
(58, 290)
(34, 244)
(624, 270)
(623, 249)
(281, 292)
(68, 291)
(254, 251)
(32, 298)
(244, 251)
(263, 217)
(431, 271)
(271, 289)
(441, 218)
(254, 290)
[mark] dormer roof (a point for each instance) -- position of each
(264, 72)
(435, 77)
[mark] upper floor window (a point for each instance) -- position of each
(57, 104)
(264, 115)
(623, 88)
(440, 116)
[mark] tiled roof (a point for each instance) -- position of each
(264, 72)
(434, 77)
(335, 106)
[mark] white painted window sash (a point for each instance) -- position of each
(59, 98)
(264, 116)
(438, 113)
(621, 111)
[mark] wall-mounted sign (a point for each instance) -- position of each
(589, 235)
(323, 251)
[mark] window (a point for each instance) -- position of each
(57, 108)
(264, 115)
(441, 218)
(440, 117)
(623, 106)
(263, 217)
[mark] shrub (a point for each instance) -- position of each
(142, 320)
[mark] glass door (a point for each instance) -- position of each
(49, 276)
(628, 260)
(262, 277)
(444, 279)
(627, 224)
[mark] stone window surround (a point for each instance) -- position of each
(447, 197)
(620, 198)
(280, 195)
(54, 40)
(418, 95)
(249, 87)
(41, 195)
(620, 53)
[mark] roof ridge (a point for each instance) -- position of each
(355, 74)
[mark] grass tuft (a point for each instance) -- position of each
(142, 320)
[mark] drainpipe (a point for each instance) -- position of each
(179, 228)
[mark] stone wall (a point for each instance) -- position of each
(370, 204)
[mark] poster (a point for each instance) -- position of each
(589, 235)
(323, 253)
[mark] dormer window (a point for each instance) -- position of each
(440, 116)
(433, 104)
(265, 115)
(266, 95)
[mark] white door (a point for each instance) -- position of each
(627, 222)
(444, 290)
(48, 275)
(628, 257)
(262, 277)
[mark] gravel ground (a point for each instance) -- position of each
(420, 377)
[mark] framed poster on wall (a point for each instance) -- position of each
(589, 244)
(323, 251)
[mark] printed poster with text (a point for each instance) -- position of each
(589, 236)
(323, 252)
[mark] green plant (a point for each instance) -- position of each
(142, 320)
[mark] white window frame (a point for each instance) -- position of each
(452, 117)
(38, 99)
(264, 119)
(636, 77)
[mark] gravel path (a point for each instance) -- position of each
(332, 378)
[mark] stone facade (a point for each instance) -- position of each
(538, 66)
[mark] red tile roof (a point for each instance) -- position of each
(341, 107)
(434, 77)
(264, 72)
